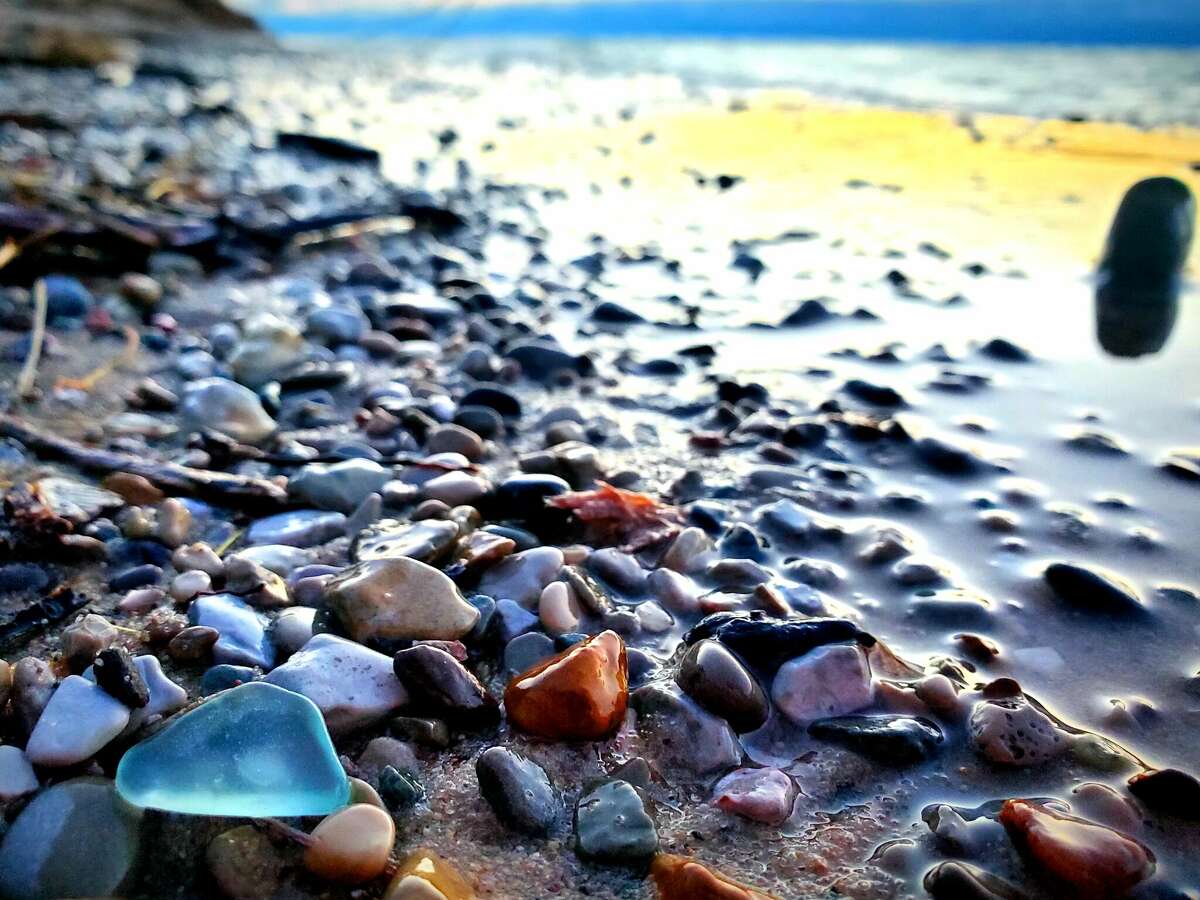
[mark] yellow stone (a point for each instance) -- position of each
(423, 875)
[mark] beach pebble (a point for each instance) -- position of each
(688, 552)
(399, 599)
(255, 584)
(578, 695)
(191, 643)
(955, 880)
(510, 619)
(1168, 790)
(300, 528)
(455, 488)
(889, 740)
(244, 863)
(523, 576)
(17, 777)
(680, 734)
(681, 878)
(292, 629)
(281, 559)
(621, 570)
(33, 684)
(75, 839)
(525, 651)
(557, 609)
(84, 638)
(762, 795)
(187, 585)
(338, 486)
(612, 825)
(1093, 860)
(674, 591)
(718, 681)
(79, 720)
(115, 671)
(423, 875)
(198, 557)
(222, 405)
(1012, 732)
(351, 684)
(174, 521)
(1088, 589)
(518, 790)
(652, 618)
(242, 631)
(425, 540)
(440, 685)
(352, 845)
(450, 438)
(830, 681)
(6, 679)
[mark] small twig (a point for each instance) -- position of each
(25, 382)
(286, 831)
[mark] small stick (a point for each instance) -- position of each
(25, 382)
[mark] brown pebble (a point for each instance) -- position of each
(162, 625)
(133, 488)
(244, 863)
(192, 643)
(423, 869)
(680, 878)
(352, 845)
(5, 682)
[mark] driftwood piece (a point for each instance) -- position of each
(238, 491)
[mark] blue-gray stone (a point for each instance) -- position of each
(243, 639)
(301, 528)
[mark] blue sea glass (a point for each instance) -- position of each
(253, 750)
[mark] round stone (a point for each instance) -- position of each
(352, 845)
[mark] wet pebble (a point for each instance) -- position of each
(423, 875)
(86, 637)
(681, 734)
(718, 681)
(115, 671)
(300, 528)
(244, 863)
(1168, 790)
(338, 486)
(954, 880)
(79, 721)
(518, 790)
(441, 686)
(890, 740)
(225, 406)
(399, 599)
(1012, 732)
(612, 825)
(1088, 589)
(830, 681)
(762, 795)
(523, 576)
(242, 632)
(681, 878)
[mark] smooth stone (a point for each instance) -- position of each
(255, 750)
(1168, 790)
(771, 642)
(17, 777)
(891, 740)
(523, 497)
(219, 404)
(135, 577)
(292, 629)
(612, 825)
(339, 486)
(336, 324)
(518, 790)
(682, 734)
(452, 438)
(75, 839)
(165, 695)
(33, 684)
(497, 398)
(66, 298)
(269, 346)
(681, 878)
(281, 559)
(557, 609)
(86, 637)
(954, 880)
(577, 695)
(245, 864)
(1092, 860)
(243, 637)
(526, 651)
(761, 795)
(718, 681)
(832, 680)
(351, 846)
(423, 875)
(426, 540)
(223, 677)
(621, 570)
(439, 685)
(688, 552)
(79, 720)
(523, 576)
(1091, 590)
(399, 599)
(455, 488)
(352, 685)
(1012, 732)
(300, 528)
(510, 620)
(675, 592)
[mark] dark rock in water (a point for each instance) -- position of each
(875, 394)
(431, 733)
(953, 880)
(518, 790)
(493, 397)
(523, 497)
(330, 148)
(541, 359)
(1091, 590)
(951, 607)
(805, 434)
(767, 643)
(1182, 464)
(1139, 278)
(946, 457)
(612, 825)
(748, 263)
(511, 620)
(400, 790)
(615, 314)
(116, 673)
(1168, 790)
(1091, 440)
(22, 577)
(810, 312)
(438, 684)
(715, 679)
(1005, 351)
(891, 740)
(643, 667)
(525, 540)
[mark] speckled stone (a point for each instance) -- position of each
(830, 681)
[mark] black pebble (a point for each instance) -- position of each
(116, 673)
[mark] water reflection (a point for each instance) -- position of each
(1140, 277)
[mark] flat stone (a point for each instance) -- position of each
(352, 685)
(830, 681)
(612, 825)
(426, 540)
(219, 404)
(523, 576)
(79, 720)
(278, 558)
(399, 599)
(1013, 732)
(75, 839)
(579, 695)
(682, 735)
(440, 685)
(243, 637)
(762, 795)
(300, 528)
(255, 750)
(244, 863)
(340, 486)
(518, 790)
(891, 740)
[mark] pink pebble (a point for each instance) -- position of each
(761, 795)
(141, 600)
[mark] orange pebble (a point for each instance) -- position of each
(423, 875)
(352, 845)
(578, 695)
(680, 878)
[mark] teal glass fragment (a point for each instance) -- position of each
(254, 750)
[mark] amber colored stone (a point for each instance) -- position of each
(680, 878)
(423, 869)
(578, 695)
(352, 845)
(1093, 860)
